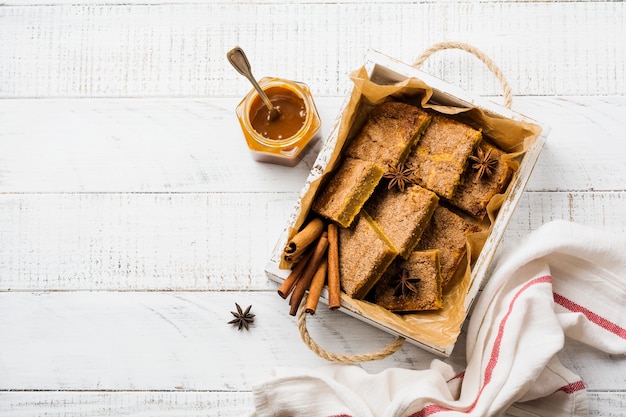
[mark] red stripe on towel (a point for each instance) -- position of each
(591, 316)
(495, 353)
(429, 410)
(573, 387)
(460, 375)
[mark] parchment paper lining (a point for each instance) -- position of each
(440, 327)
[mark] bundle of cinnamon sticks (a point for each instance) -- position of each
(312, 254)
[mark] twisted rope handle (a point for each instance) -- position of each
(508, 100)
(394, 346)
(390, 349)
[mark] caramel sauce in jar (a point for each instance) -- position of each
(282, 140)
(292, 114)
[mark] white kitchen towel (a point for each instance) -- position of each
(564, 279)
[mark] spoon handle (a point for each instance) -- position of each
(239, 60)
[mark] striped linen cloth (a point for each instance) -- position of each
(564, 280)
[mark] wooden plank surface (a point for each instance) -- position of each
(132, 217)
(181, 341)
(188, 242)
(190, 404)
(195, 145)
(166, 343)
(187, 404)
(545, 48)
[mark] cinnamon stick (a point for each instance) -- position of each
(290, 282)
(301, 240)
(315, 289)
(305, 280)
(334, 285)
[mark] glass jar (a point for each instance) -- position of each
(282, 140)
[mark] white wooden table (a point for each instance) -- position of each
(132, 218)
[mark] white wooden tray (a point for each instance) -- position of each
(383, 69)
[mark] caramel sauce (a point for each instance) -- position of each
(292, 114)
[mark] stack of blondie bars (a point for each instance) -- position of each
(409, 189)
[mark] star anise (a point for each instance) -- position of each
(484, 163)
(405, 283)
(399, 176)
(242, 318)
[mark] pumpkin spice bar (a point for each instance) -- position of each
(447, 232)
(348, 189)
(411, 285)
(402, 214)
(478, 188)
(364, 254)
(442, 154)
(389, 134)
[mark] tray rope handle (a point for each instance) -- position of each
(441, 46)
(395, 345)
(388, 350)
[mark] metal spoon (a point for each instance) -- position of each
(238, 59)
